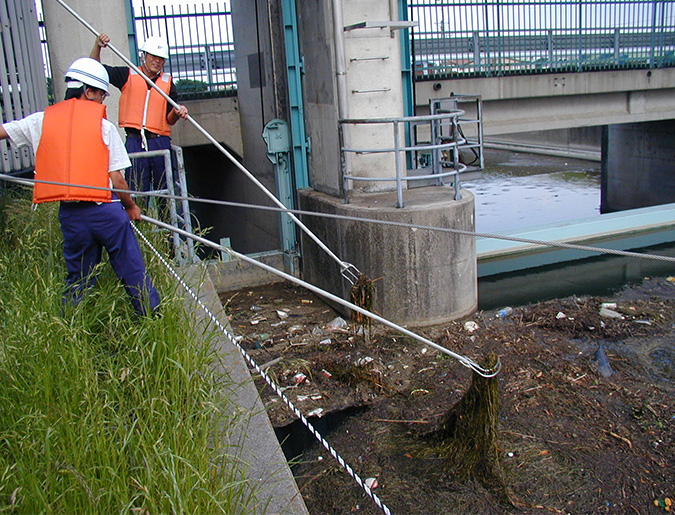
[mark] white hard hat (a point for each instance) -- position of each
(90, 72)
(156, 46)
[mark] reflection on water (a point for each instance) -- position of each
(521, 190)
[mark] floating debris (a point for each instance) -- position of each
(610, 313)
(318, 412)
(361, 294)
(504, 312)
(364, 361)
(600, 359)
(338, 323)
(282, 314)
(470, 326)
(371, 483)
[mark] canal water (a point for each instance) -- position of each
(520, 190)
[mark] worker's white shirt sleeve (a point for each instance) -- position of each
(28, 131)
(119, 159)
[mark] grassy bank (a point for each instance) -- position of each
(103, 411)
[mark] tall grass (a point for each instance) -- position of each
(102, 411)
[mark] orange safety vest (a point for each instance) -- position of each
(72, 150)
(142, 107)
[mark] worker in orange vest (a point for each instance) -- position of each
(75, 147)
(145, 114)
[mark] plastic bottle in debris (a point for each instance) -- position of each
(504, 312)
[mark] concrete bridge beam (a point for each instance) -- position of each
(561, 101)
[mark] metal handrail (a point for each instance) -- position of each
(408, 152)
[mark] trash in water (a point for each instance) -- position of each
(255, 308)
(299, 378)
(504, 312)
(326, 373)
(610, 313)
(318, 412)
(470, 326)
(317, 331)
(257, 320)
(295, 328)
(561, 315)
(282, 314)
(336, 324)
(306, 301)
(643, 322)
(325, 342)
(600, 358)
(371, 483)
(364, 361)
(608, 305)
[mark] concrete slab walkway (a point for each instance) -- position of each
(256, 444)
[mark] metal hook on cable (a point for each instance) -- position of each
(350, 272)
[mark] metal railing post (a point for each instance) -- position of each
(398, 161)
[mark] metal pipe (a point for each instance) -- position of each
(341, 81)
(345, 267)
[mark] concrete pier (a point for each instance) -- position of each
(637, 166)
(421, 277)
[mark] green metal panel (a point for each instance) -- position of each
(300, 145)
(131, 32)
(406, 74)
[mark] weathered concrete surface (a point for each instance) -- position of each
(255, 445)
(218, 116)
(236, 274)
(422, 277)
(637, 167)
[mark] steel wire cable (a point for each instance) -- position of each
(275, 387)
(463, 232)
(463, 360)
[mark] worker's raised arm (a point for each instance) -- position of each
(101, 42)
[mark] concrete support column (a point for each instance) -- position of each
(423, 277)
(638, 165)
(374, 88)
(69, 40)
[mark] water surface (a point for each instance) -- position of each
(521, 190)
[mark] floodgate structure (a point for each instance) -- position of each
(366, 116)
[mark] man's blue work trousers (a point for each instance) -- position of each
(147, 173)
(87, 229)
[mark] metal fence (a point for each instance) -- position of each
(23, 85)
(514, 37)
(201, 41)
